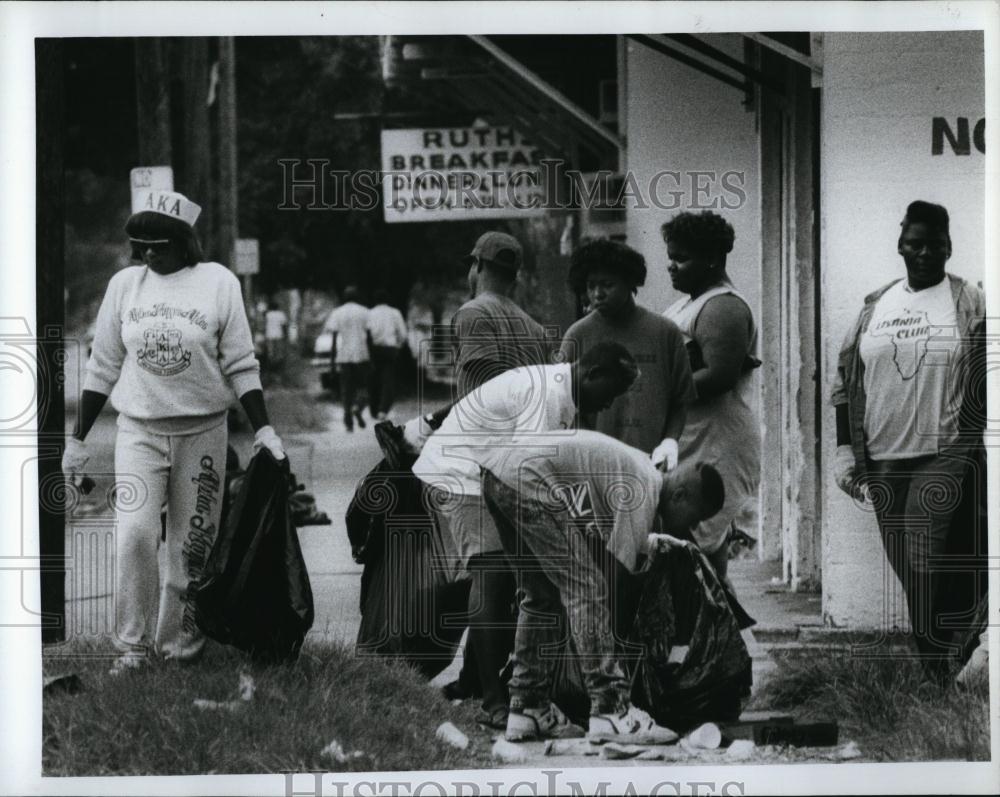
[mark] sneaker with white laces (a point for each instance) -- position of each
(632, 726)
(127, 663)
(547, 722)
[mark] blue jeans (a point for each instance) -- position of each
(555, 571)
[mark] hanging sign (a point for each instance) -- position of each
(460, 173)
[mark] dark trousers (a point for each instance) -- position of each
(382, 379)
(928, 512)
(492, 621)
(352, 377)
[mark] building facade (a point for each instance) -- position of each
(811, 145)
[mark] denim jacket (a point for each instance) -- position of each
(849, 386)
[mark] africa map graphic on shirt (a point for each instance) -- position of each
(162, 353)
(910, 332)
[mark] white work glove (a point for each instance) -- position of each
(267, 438)
(664, 456)
(844, 472)
(75, 457)
(658, 543)
(415, 434)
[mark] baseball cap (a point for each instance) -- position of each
(499, 248)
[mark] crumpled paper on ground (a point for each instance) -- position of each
(246, 689)
(335, 752)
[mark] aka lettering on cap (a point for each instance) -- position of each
(168, 203)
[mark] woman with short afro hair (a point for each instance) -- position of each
(654, 409)
(606, 254)
(721, 339)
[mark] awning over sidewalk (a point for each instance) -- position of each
(492, 83)
(501, 89)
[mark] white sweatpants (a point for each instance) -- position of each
(185, 472)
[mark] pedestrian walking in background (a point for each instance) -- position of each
(386, 337)
(721, 340)
(173, 341)
(275, 333)
(910, 400)
(348, 325)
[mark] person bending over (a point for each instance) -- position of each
(546, 497)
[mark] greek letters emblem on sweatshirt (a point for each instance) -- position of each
(163, 353)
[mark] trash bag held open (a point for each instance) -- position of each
(255, 594)
(682, 650)
(410, 608)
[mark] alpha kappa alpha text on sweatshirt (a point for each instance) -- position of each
(173, 349)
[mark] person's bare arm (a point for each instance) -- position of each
(722, 333)
(91, 404)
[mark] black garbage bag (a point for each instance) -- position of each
(410, 608)
(304, 510)
(682, 604)
(255, 594)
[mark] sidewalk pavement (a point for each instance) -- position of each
(330, 463)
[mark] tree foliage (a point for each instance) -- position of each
(289, 91)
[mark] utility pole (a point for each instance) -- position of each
(193, 177)
(228, 188)
(152, 95)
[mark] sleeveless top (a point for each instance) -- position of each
(722, 430)
(684, 313)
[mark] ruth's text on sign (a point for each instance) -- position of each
(456, 174)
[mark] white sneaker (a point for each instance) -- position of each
(632, 726)
(978, 666)
(128, 662)
(540, 723)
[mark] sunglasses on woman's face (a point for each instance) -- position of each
(159, 245)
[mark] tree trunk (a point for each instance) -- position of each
(195, 182)
(152, 93)
(228, 185)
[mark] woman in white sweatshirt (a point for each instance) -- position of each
(171, 348)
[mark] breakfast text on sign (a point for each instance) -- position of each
(460, 173)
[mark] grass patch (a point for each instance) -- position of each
(144, 722)
(882, 704)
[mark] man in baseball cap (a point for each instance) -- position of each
(492, 334)
(498, 249)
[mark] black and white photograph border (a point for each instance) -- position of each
(593, 163)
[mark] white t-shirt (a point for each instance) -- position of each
(386, 326)
(511, 409)
(909, 352)
(274, 324)
(350, 323)
(608, 487)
